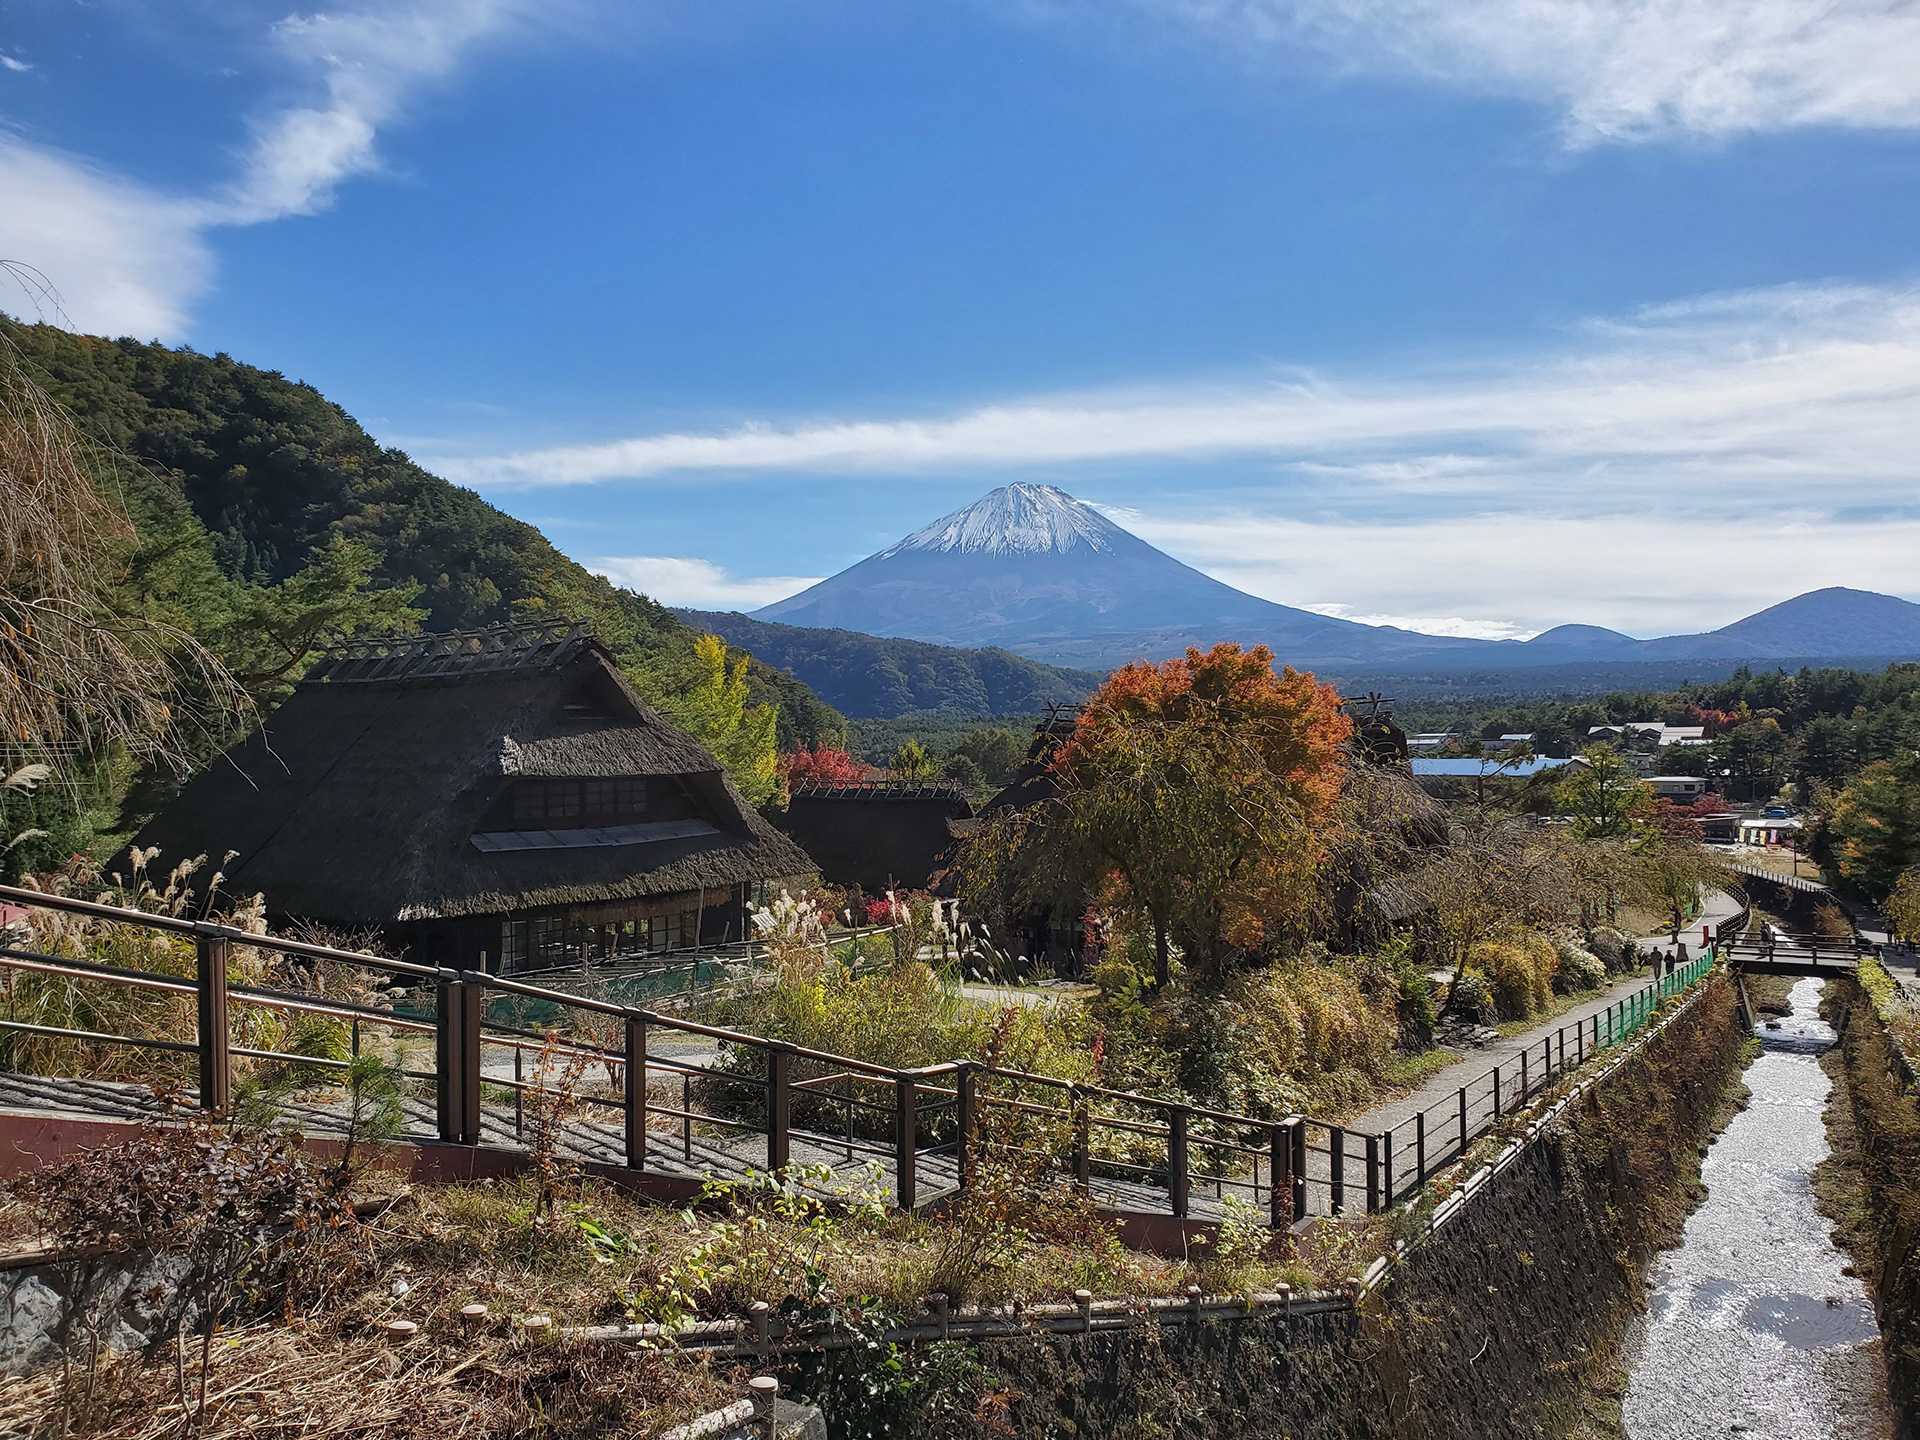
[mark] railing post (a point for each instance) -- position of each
(779, 1105)
(1463, 1121)
(969, 1141)
(213, 1036)
(1373, 1174)
(905, 1138)
(1496, 1092)
(1420, 1148)
(636, 1092)
(1526, 1087)
(1082, 1110)
(1279, 1176)
(1337, 1168)
(456, 1052)
(1177, 1159)
(1298, 1168)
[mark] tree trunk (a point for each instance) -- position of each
(1162, 965)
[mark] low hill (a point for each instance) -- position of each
(1834, 621)
(249, 472)
(877, 677)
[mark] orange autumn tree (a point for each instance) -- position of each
(1192, 794)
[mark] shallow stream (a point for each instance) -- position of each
(1751, 1328)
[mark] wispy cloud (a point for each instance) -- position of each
(1739, 398)
(125, 258)
(369, 63)
(696, 584)
(1618, 70)
(1514, 573)
(1457, 625)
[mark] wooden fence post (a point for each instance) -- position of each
(1279, 1176)
(1525, 1086)
(1373, 1174)
(213, 1036)
(1298, 1168)
(905, 1138)
(969, 1141)
(456, 1055)
(1082, 1109)
(1177, 1158)
(636, 1092)
(1337, 1168)
(779, 1106)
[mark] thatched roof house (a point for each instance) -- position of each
(501, 794)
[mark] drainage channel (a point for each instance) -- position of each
(1752, 1329)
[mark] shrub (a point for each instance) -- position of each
(1578, 968)
(1519, 971)
(1473, 997)
(1617, 950)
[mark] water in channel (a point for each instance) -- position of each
(1751, 1329)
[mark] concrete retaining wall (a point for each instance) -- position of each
(1497, 1327)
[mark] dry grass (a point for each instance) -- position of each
(602, 1256)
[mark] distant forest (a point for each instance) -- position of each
(876, 677)
(1768, 728)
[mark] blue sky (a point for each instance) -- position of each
(1480, 315)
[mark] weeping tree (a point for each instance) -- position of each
(84, 674)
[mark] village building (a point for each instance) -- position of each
(1654, 730)
(1681, 789)
(498, 798)
(877, 836)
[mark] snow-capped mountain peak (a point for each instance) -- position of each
(1013, 520)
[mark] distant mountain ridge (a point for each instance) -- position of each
(871, 677)
(1832, 622)
(1030, 569)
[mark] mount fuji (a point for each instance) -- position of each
(1030, 569)
(1035, 571)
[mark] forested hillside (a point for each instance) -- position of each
(267, 520)
(876, 677)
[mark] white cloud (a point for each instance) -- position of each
(1457, 625)
(696, 584)
(1523, 571)
(1619, 69)
(1741, 399)
(123, 259)
(19, 67)
(126, 259)
(369, 62)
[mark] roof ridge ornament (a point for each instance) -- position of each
(522, 645)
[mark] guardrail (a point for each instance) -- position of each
(684, 1098)
(1439, 1135)
(745, 1091)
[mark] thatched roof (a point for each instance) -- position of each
(359, 799)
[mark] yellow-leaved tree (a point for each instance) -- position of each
(714, 710)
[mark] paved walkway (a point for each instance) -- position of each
(1440, 1095)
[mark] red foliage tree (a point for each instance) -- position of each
(1200, 785)
(822, 765)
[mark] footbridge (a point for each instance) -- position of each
(1772, 951)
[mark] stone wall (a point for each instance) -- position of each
(1880, 1142)
(1496, 1326)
